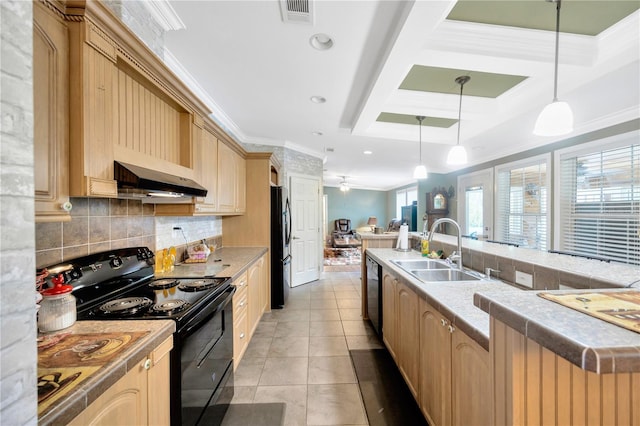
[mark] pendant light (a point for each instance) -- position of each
(557, 117)
(458, 154)
(420, 171)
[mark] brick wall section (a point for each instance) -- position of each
(18, 373)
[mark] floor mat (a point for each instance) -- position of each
(264, 414)
(387, 399)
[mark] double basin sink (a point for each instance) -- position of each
(430, 270)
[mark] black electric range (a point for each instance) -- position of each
(120, 285)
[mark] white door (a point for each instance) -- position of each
(475, 204)
(305, 229)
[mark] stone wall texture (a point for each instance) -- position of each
(18, 372)
(136, 16)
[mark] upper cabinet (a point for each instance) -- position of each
(232, 170)
(51, 118)
(101, 95)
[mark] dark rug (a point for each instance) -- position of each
(387, 399)
(265, 414)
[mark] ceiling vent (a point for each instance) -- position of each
(300, 11)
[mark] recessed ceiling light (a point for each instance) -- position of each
(316, 133)
(321, 41)
(368, 152)
(318, 99)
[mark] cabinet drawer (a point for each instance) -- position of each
(240, 337)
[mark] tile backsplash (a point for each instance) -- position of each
(97, 224)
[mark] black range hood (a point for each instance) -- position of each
(139, 182)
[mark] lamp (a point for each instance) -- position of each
(420, 171)
(458, 154)
(557, 117)
(372, 222)
(344, 186)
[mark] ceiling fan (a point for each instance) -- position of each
(344, 186)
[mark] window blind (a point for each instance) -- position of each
(600, 203)
(521, 205)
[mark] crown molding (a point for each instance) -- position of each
(164, 14)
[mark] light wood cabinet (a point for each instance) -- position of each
(231, 180)
(389, 283)
(248, 306)
(455, 373)
(51, 115)
(400, 328)
(141, 397)
(408, 336)
(435, 366)
(240, 319)
(255, 282)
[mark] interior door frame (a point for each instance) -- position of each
(319, 237)
(484, 177)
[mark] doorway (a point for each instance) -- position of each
(306, 241)
(475, 204)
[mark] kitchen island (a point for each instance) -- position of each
(510, 357)
(88, 362)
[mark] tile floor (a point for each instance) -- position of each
(299, 355)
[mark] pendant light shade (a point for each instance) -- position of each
(420, 171)
(556, 118)
(458, 154)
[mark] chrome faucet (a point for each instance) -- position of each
(456, 256)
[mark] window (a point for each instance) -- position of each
(522, 212)
(599, 205)
(405, 197)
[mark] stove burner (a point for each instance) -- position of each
(164, 283)
(170, 307)
(199, 285)
(125, 306)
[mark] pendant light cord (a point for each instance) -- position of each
(461, 81)
(420, 118)
(555, 80)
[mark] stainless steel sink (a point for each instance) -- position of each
(444, 275)
(409, 265)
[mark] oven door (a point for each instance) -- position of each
(205, 366)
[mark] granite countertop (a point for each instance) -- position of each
(223, 262)
(587, 342)
(383, 236)
(101, 372)
(452, 300)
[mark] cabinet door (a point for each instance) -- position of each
(264, 284)
(205, 159)
(253, 283)
(158, 380)
(389, 312)
(124, 403)
(408, 335)
(435, 366)
(471, 381)
(226, 179)
(51, 114)
(241, 184)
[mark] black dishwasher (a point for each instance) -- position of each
(374, 294)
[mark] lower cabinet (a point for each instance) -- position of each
(240, 307)
(141, 397)
(401, 328)
(455, 373)
(248, 306)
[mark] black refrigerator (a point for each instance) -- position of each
(280, 246)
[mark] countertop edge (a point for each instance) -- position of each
(69, 406)
(600, 360)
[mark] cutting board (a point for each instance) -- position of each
(69, 359)
(621, 308)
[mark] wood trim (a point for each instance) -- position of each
(101, 187)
